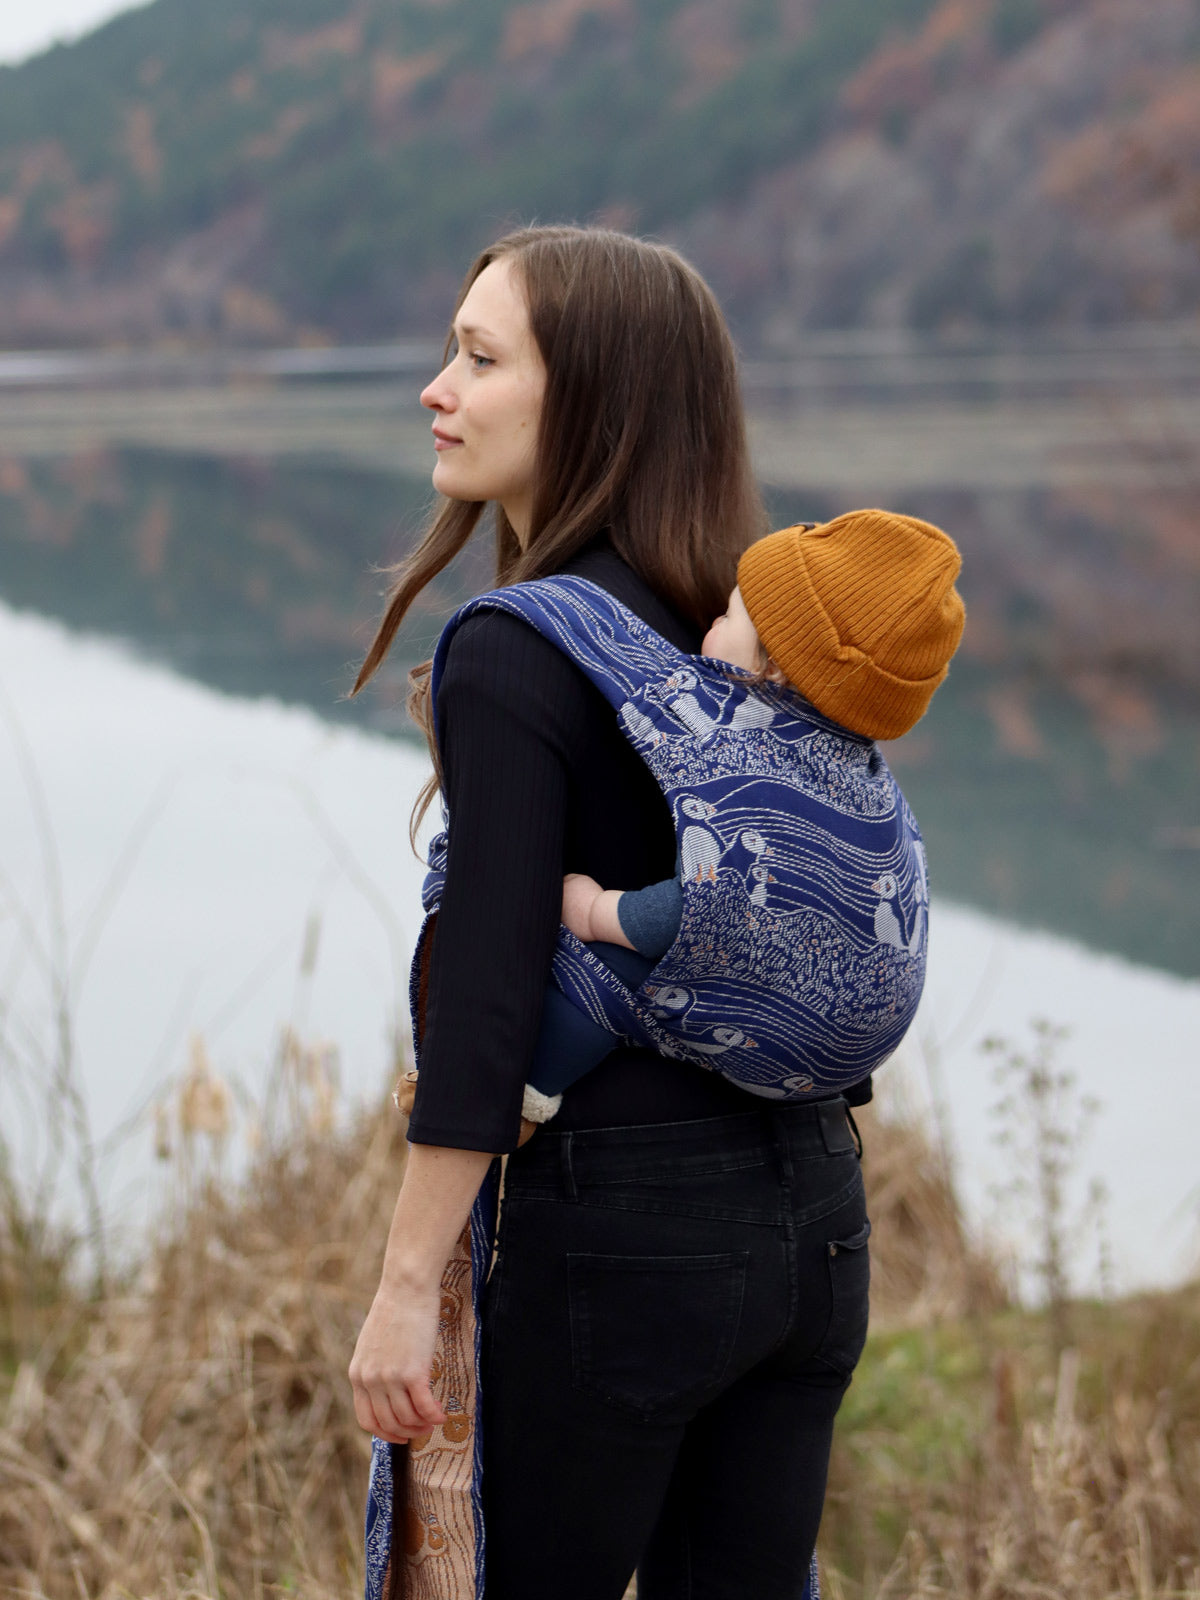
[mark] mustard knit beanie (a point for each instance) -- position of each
(861, 614)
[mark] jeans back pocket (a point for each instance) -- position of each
(849, 1264)
(653, 1335)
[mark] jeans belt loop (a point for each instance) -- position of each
(568, 1169)
(834, 1117)
(854, 1133)
(783, 1149)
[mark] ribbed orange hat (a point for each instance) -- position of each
(861, 614)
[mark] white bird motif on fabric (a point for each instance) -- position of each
(639, 725)
(693, 715)
(683, 679)
(700, 855)
(762, 877)
(699, 810)
(752, 713)
(670, 999)
(887, 923)
(755, 843)
(724, 1039)
(676, 694)
(799, 1083)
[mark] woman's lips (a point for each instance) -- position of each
(444, 441)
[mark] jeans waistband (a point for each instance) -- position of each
(646, 1151)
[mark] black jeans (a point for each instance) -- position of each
(672, 1319)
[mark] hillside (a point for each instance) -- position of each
(274, 170)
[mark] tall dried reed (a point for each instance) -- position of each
(197, 1438)
(189, 1432)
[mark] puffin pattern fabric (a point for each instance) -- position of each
(800, 957)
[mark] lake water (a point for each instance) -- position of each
(237, 534)
(230, 831)
(209, 848)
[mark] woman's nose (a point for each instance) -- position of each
(438, 395)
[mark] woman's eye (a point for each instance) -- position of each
(479, 361)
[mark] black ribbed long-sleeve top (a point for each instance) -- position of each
(540, 781)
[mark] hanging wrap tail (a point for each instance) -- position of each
(424, 1527)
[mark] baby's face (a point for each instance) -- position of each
(733, 637)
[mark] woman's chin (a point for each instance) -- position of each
(454, 485)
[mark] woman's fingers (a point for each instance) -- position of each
(390, 1401)
(395, 1417)
(396, 1414)
(425, 1405)
(390, 1370)
(365, 1416)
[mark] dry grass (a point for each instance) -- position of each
(977, 1455)
(191, 1432)
(969, 1464)
(924, 1269)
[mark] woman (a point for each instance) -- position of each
(679, 1296)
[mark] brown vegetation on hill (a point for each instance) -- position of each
(190, 1432)
(1007, 165)
(247, 175)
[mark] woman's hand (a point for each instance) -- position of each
(393, 1359)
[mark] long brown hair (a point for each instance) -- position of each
(642, 432)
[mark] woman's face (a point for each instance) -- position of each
(487, 402)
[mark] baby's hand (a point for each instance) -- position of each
(579, 896)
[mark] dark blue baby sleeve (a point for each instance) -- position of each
(650, 917)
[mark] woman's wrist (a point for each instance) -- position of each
(435, 1199)
(411, 1272)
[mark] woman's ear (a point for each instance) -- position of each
(774, 673)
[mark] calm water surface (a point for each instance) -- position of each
(231, 833)
(1062, 796)
(226, 866)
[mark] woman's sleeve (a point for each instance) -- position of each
(507, 704)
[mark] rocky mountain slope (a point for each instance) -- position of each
(274, 170)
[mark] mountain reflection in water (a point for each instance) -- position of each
(1055, 777)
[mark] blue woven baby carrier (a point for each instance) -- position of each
(801, 954)
(800, 957)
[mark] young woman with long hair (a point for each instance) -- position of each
(679, 1294)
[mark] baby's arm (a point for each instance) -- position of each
(591, 912)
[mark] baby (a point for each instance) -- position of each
(860, 616)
